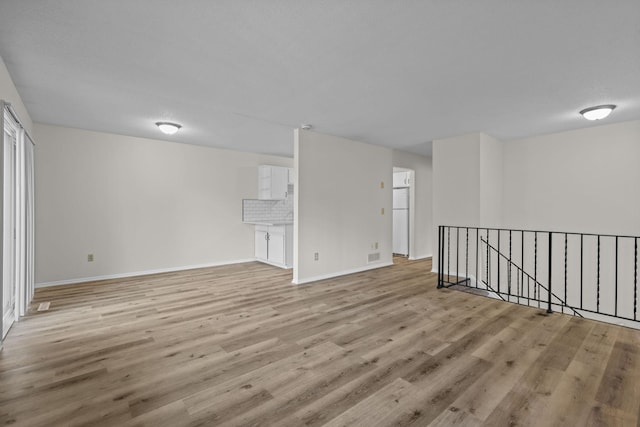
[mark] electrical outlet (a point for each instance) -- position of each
(376, 245)
(90, 258)
(381, 184)
(316, 256)
(382, 211)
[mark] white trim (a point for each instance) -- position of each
(420, 257)
(138, 273)
(273, 264)
(342, 273)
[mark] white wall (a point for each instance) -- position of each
(584, 180)
(456, 181)
(468, 185)
(338, 203)
(138, 204)
(491, 180)
(579, 181)
(421, 241)
(9, 93)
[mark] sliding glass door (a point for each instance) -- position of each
(8, 227)
(17, 210)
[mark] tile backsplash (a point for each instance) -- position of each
(267, 211)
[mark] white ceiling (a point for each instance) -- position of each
(243, 74)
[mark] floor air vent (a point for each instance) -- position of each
(373, 257)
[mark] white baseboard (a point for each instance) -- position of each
(342, 273)
(138, 273)
(420, 257)
(284, 267)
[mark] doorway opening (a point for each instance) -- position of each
(403, 208)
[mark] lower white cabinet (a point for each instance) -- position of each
(274, 244)
(262, 244)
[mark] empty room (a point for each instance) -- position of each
(320, 213)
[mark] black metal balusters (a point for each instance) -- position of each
(635, 279)
(535, 268)
(605, 291)
(448, 253)
(487, 257)
(598, 283)
(565, 273)
(581, 266)
(440, 251)
(615, 312)
(522, 270)
(477, 253)
(550, 265)
(466, 256)
(457, 253)
(509, 271)
(498, 260)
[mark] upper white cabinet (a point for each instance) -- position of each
(401, 179)
(273, 182)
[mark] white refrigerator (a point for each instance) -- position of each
(401, 221)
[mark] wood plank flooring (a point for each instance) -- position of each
(241, 346)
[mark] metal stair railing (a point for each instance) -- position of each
(559, 301)
(584, 274)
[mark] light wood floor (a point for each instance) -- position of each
(240, 345)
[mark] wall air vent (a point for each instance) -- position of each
(373, 257)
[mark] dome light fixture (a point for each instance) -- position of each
(598, 112)
(168, 127)
(306, 126)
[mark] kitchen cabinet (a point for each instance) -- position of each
(401, 179)
(276, 250)
(274, 244)
(262, 243)
(273, 182)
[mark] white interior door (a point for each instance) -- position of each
(8, 230)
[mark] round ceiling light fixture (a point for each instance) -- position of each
(306, 126)
(598, 112)
(168, 127)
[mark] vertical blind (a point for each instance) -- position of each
(17, 255)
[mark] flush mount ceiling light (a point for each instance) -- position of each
(597, 113)
(168, 127)
(306, 126)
